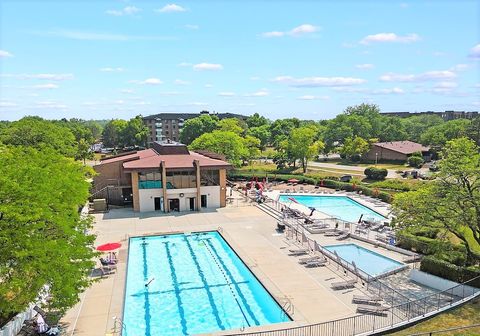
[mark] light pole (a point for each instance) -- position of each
(376, 159)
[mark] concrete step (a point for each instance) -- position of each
(269, 211)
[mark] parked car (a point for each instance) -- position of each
(346, 178)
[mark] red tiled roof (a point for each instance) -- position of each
(404, 147)
(134, 156)
(174, 161)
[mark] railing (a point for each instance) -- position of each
(394, 317)
(402, 310)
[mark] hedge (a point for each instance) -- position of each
(449, 271)
(377, 174)
(327, 183)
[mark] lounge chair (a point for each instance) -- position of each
(343, 236)
(369, 300)
(333, 233)
(316, 263)
(300, 251)
(310, 259)
(344, 284)
(104, 271)
(376, 310)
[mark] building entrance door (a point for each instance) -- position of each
(192, 203)
(174, 204)
(157, 203)
(203, 201)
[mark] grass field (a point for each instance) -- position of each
(466, 315)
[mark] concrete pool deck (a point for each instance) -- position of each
(251, 233)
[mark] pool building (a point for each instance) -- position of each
(166, 177)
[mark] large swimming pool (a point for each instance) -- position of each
(185, 284)
(342, 207)
(368, 261)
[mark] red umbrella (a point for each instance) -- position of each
(293, 180)
(109, 247)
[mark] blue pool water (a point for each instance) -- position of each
(199, 286)
(342, 207)
(368, 261)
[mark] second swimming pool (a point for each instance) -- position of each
(370, 262)
(342, 207)
(186, 284)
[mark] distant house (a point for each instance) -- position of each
(396, 151)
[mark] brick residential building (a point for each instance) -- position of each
(167, 177)
(167, 126)
(396, 151)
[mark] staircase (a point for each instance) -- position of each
(270, 211)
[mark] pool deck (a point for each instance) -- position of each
(252, 235)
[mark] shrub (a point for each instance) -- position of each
(377, 174)
(415, 161)
(444, 269)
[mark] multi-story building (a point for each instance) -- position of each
(167, 126)
(166, 177)
(447, 115)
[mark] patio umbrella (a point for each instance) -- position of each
(108, 247)
(293, 180)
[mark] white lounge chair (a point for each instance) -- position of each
(300, 251)
(344, 284)
(310, 259)
(316, 263)
(369, 300)
(376, 310)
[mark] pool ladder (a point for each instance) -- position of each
(287, 307)
(119, 328)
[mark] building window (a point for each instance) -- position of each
(209, 178)
(203, 201)
(181, 179)
(150, 180)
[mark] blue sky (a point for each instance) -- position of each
(308, 59)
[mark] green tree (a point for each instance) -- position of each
(280, 130)
(227, 143)
(231, 125)
(195, 127)
(473, 130)
(417, 125)
(44, 240)
(252, 146)
(393, 129)
(256, 120)
(301, 145)
(354, 147)
(113, 133)
(39, 133)
(440, 134)
(135, 133)
(262, 133)
(450, 202)
(84, 151)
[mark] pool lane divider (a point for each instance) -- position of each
(148, 317)
(226, 273)
(176, 285)
(205, 285)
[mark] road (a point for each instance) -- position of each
(358, 170)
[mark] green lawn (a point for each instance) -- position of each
(395, 166)
(466, 315)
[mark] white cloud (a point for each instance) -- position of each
(423, 77)
(108, 69)
(7, 104)
(475, 52)
(390, 37)
(255, 78)
(446, 85)
(192, 27)
(197, 104)
(394, 90)
(148, 81)
(171, 8)
(208, 86)
(259, 93)
(170, 93)
(142, 103)
(52, 77)
(181, 82)
(48, 104)
(128, 10)
(310, 97)
(49, 86)
(5, 54)
(459, 67)
(365, 66)
(184, 64)
(129, 91)
(350, 89)
(297, 31)
(319, 81)
(207, 66)
(99, 36)
(226, 94)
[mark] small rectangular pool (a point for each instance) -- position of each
(342, 207)
(368, 261)
(186, 284)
